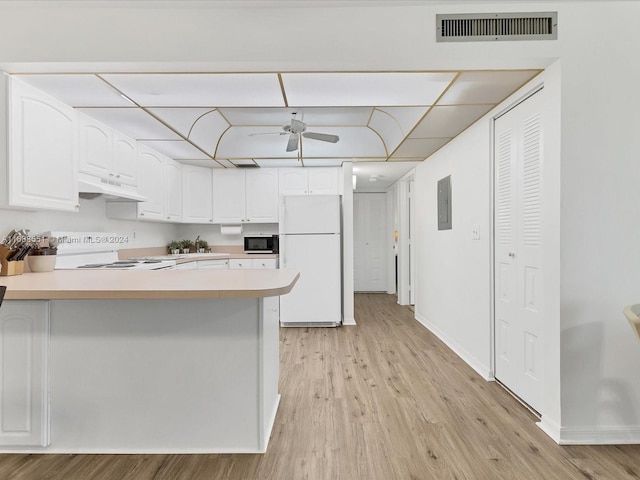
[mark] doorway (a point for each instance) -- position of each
(369, 242)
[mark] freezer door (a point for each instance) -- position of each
(301, 214)
(316, 299)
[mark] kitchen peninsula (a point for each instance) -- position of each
(168, 361)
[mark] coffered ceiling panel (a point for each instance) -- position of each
(419, 147)
(407, 117)
(356, 116)
(448, 121)
(177, 149)
(263, 142)
(364, 89)
(485, 87)
(388, 128)
(198, 90)
(133, 122)
(182, 119)
(202, 126)
(322, 162)
(279, 162)
(77, 90)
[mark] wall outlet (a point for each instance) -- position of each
(475, 232)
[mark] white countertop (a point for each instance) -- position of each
(149, 284)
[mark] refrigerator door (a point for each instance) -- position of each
(316, 299)
(302, 214)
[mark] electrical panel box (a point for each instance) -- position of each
(444, 203)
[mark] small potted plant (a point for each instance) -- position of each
(203, 246)
(186, 246)
(174, 247)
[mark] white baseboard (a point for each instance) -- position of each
(348, 321)
(600, 435)
(551, 428)
(483, 370)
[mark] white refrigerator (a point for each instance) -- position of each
(310, 242)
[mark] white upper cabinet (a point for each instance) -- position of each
(229, 196)
(43, 150)
(160, 182)
(172, 191)
(309, 181)
(245, 196)
(262, 195)
(96, 146)
(197, 195)
(106, 153)
(293, 181)
(125, 159)
(323, 181)
(151, 184)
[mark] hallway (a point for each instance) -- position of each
(379, 401)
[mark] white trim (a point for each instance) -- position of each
(599, 435)
(348, 321)
(482, 370)
(551, 428)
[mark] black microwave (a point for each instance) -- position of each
(261, 244)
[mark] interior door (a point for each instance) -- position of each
(518, 255)
(370, 267)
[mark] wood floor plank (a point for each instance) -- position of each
(381, 400)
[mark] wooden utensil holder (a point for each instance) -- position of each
(7, 268)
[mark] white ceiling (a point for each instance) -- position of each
(386, 121)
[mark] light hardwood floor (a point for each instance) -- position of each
(380, 401)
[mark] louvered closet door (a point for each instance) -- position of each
(518, 256)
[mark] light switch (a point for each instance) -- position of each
(475, 232)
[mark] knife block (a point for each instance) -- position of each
(9, 267)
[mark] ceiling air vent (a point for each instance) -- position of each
(481, 27)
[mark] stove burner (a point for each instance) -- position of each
(93, 265)
(120, 265)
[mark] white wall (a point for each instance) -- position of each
(91, 217)
(600, 207)
(453, 271)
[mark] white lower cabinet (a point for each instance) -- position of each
(187, 266)
(246, 263)
(219, 264)
(24, 369)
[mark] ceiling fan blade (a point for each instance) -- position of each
(292, 144)
(297, 126)
(323, 137)
(266, 133)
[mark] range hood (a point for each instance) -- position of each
(91, 187)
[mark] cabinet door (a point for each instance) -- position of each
(266, 263)
(187, 266)
(213, 264)
(96, 147)
(240, 263)
(293, 181)
(150, 185)
(197, 200)
(228, 196)
(125, 159)
(24, 390)
(262, 195)
(43, 146)
(172, 191)
(323, 180)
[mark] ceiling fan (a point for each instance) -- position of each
(297, 128)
